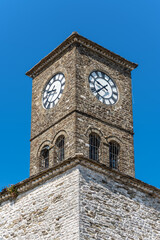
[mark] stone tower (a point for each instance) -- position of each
(81, 184)
(84, 109)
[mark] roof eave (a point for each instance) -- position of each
(76, 38)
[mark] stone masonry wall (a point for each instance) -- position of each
(119, 114)
(113, 122)
(78, 110)
(85, 125)
(46, 124)
(49, 211)
(42, 119)
(83, 204)
(115, 211)
(64, 127)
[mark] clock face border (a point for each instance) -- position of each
(53, 90)
(103, 87)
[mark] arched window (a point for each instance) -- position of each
(94, 143)
(44, 157)
(113, 154)
(59, 148)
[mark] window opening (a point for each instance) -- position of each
(94, 143)
(45, 157)
(60, 148)
(113, 154)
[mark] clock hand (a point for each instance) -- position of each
(99, 83)
(102, 88)
(51, 94)
(53, 90)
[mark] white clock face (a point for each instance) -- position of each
(103, 87)
(53, 91)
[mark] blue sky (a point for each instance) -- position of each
(30, 29)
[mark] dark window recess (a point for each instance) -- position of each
(59, 148)
(94, 143)
(45, 157)
(113, 154)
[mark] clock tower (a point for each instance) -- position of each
(82, 183)
(82, 104)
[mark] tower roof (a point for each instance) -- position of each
(76, 38)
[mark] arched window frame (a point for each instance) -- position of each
(94, 146)
(59, 152)
(114, 149)
(44, 157)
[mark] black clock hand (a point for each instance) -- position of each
(53, 90)
(102, 88)
(51, 93)
(99, 83)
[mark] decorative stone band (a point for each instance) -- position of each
(130, 131)
(69, 163)
(76, 38)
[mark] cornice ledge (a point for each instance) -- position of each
(121, 177)
(76, 38)
(69, 163)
